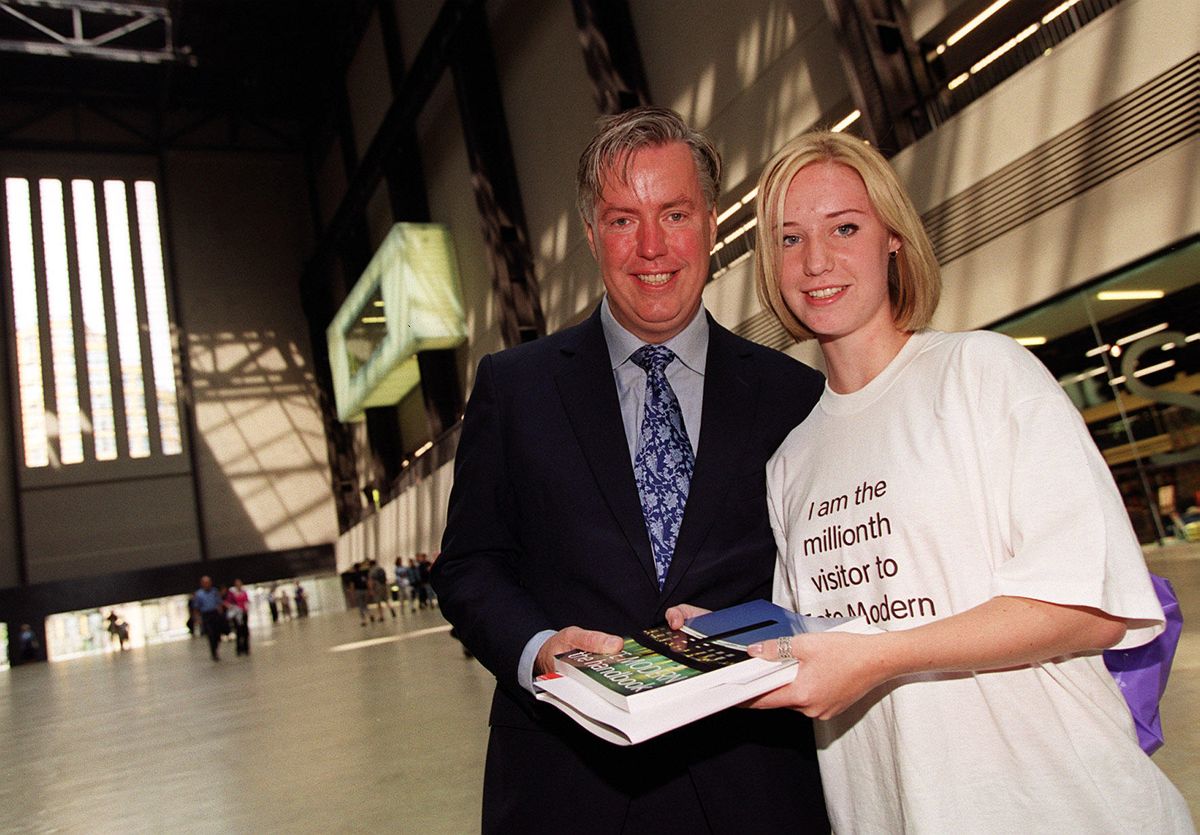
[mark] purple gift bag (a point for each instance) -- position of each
(1141, 672)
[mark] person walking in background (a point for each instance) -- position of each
(380, 593)
(28, 648)
(301, 602)
(208, 603)
(273, 602)
(119, 630)
(414, 584)
(401, 581)
(194, 624)
(238, 610)
(285, 604)
(424, 571)
(360, 583)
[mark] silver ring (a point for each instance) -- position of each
(784, 642)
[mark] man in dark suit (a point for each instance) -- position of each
(595, 489)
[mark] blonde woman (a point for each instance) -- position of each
(945, 490)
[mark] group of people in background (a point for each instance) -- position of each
(370, 591)
(280, 602)
(224, 610)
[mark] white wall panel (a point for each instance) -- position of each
(923, 15)
(1132, 215)
(571, 288)
(452, 201)
(1113, 55)
(551, 114)
(260, 444)
(1119, 221)
(752, 74)
(731, 298)
(409, 525)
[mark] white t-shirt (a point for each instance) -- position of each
(961, 473)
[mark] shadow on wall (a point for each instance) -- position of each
(261, 450)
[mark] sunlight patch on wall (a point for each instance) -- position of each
(257, 414)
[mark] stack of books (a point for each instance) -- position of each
(663, 679)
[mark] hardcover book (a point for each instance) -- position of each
(663, 679)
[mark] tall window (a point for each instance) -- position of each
(1127, 352)
(95, 365)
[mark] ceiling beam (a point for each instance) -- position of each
(94, 30)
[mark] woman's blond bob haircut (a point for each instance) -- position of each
(914, 282)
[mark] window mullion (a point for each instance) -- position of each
(158, 318)
(94, 318)
(45, 350)
(112, 335)
(22, 250)
(60, 317)
(83, 389)
(146, 349)
(128, 321)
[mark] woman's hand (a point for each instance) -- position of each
(833, 671)
(836, 669)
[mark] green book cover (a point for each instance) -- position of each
(635, 669)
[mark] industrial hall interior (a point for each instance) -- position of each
(252, 253)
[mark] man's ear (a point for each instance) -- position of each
(591, 239)
(712, 228)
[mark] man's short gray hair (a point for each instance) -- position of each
(620, 136)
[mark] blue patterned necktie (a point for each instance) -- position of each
(664, 461)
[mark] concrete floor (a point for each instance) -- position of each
(1180, 756)
(328, 726)
(299, 737)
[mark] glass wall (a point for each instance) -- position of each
(1126, 349)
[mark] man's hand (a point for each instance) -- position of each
(573, 637)
(833, 671)
(676, 615)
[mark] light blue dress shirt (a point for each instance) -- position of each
(207, 600)
(686, 376)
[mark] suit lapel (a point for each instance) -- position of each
(589, 397)
(730, 398)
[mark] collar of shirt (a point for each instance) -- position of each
(686, 376)
(690, 344)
